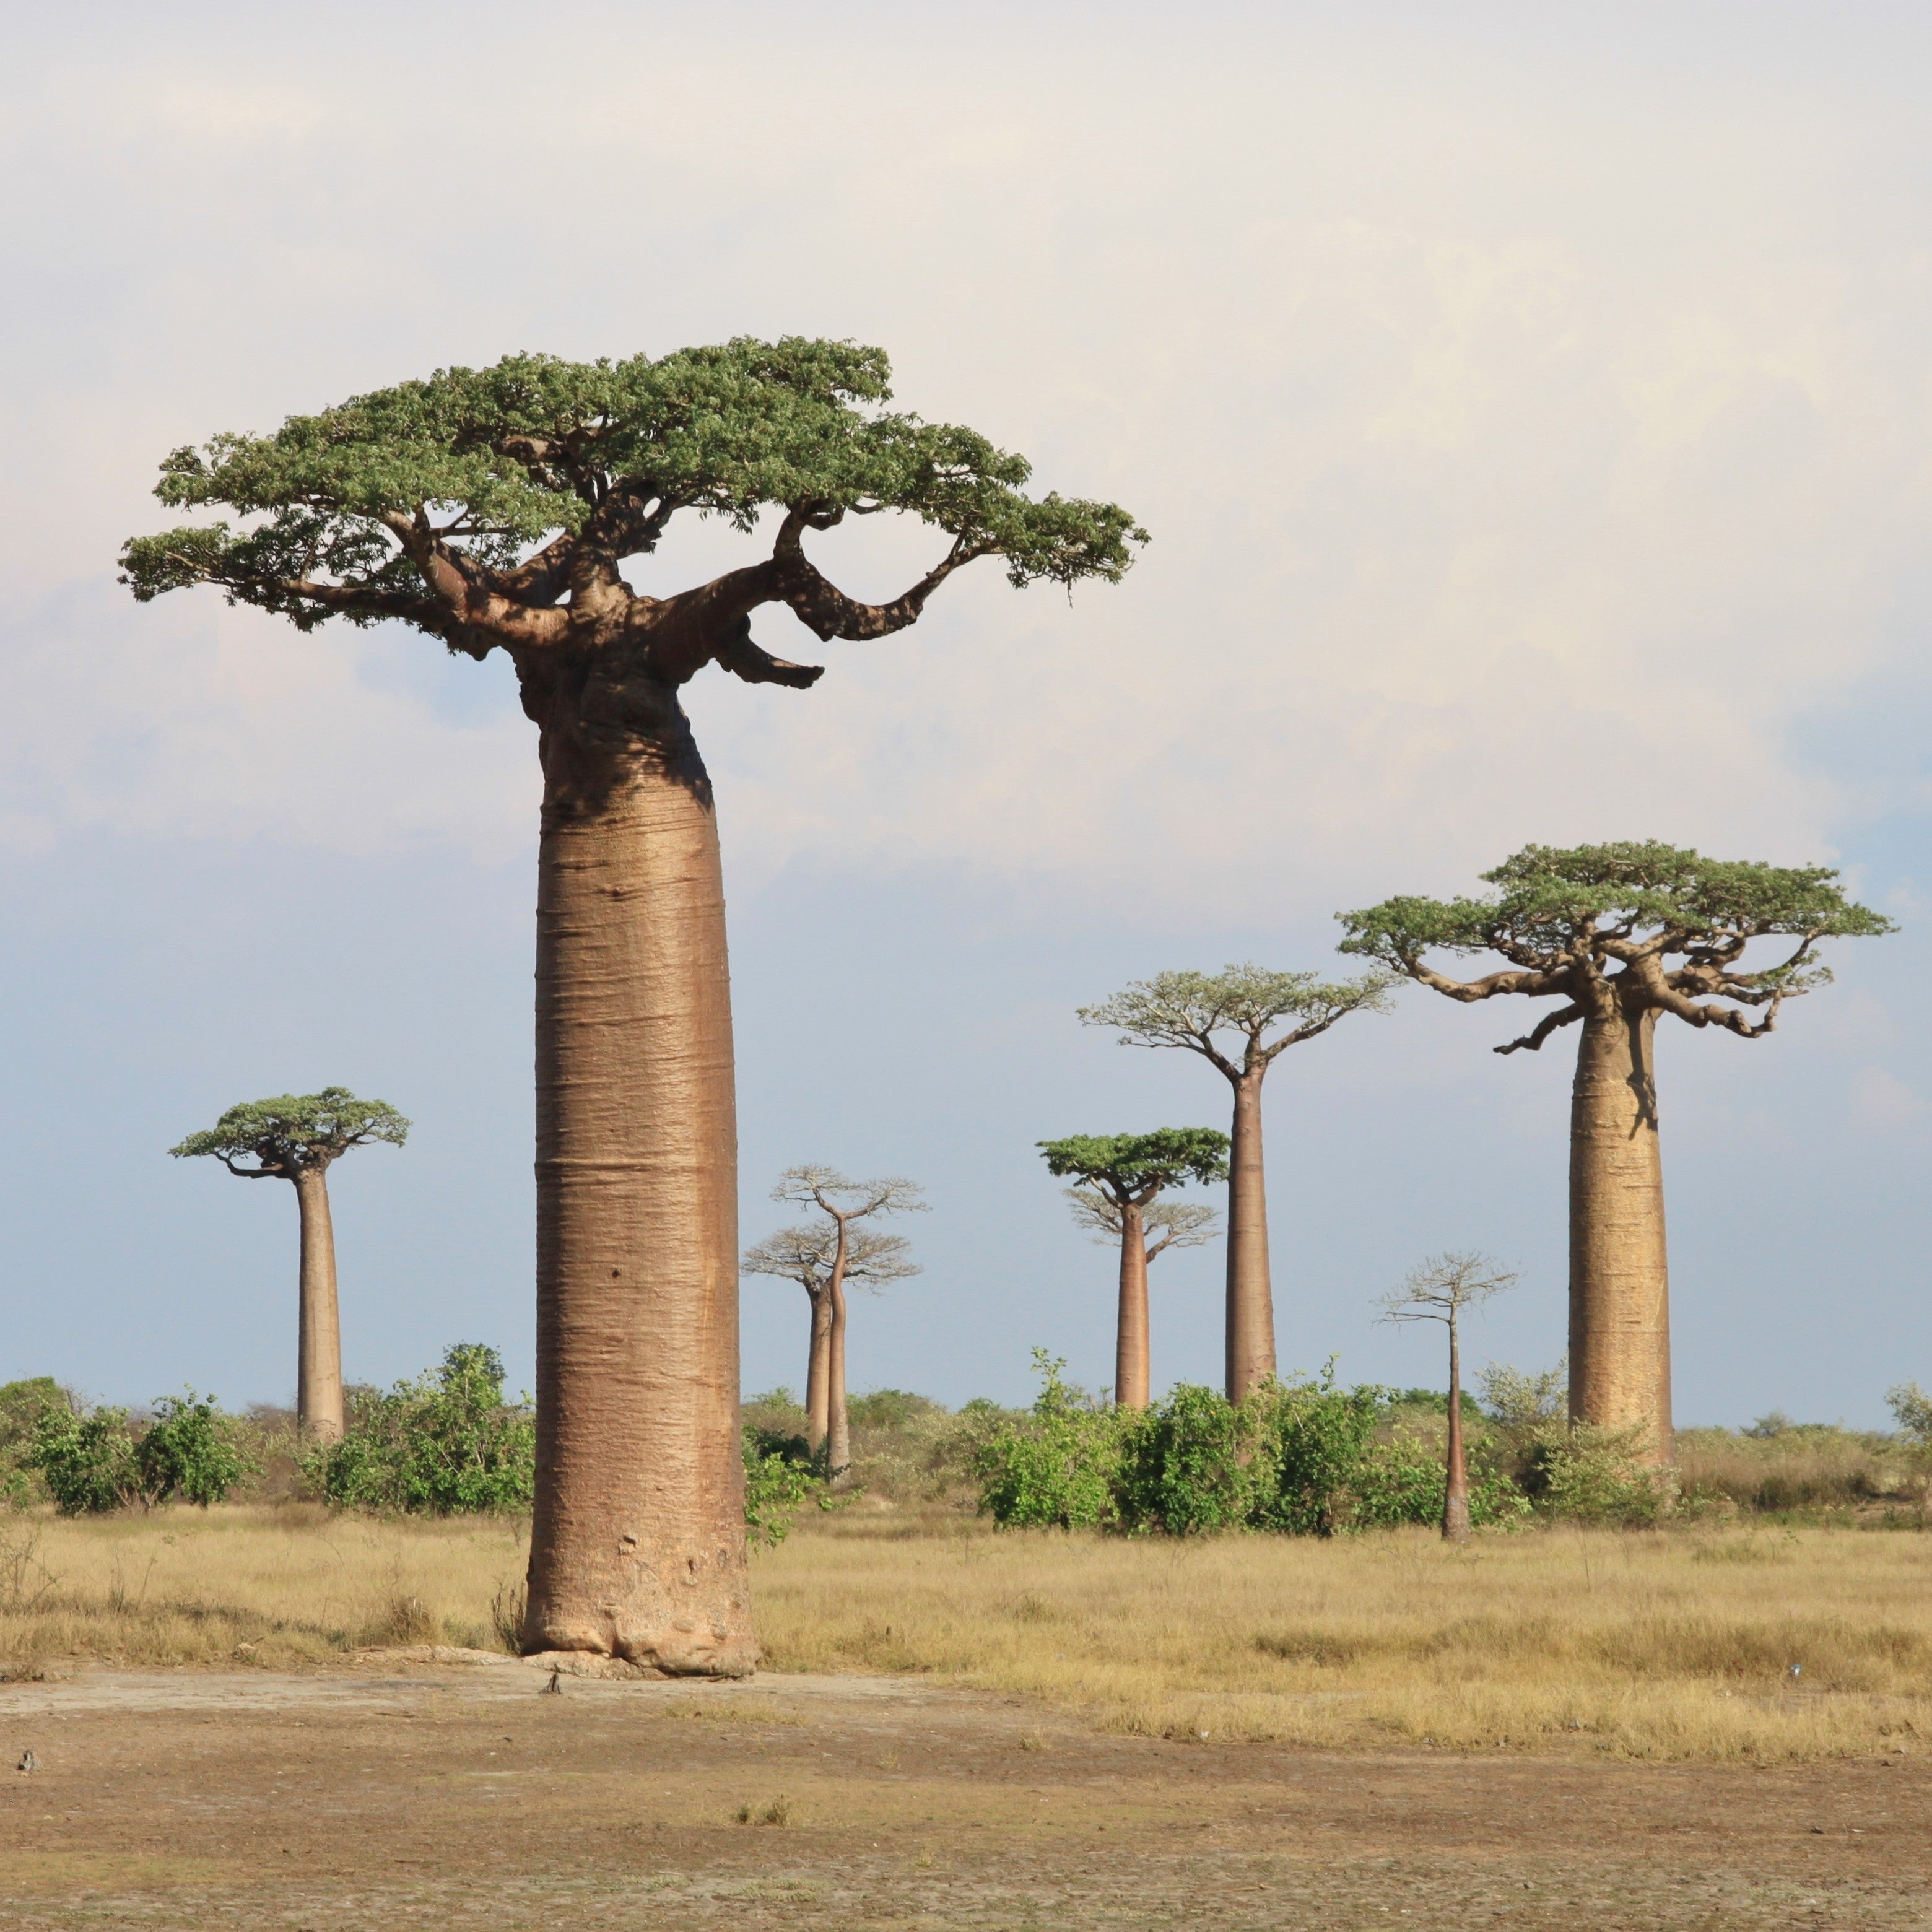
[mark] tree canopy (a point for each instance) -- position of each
(292, 1132)
(805, 1255)
(1572, 920)
(1188, 1009)
(474, 503)
(1140, 1165)
(813, 1185)
(1164, 1224)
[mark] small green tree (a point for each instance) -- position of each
(445, 1444)
(298, 1137)
(192, 1450)
(1617, 935)
(1055, 1469)
(1195, 1012)
(1119, 1180)
(86, 1458)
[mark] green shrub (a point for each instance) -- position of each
(1580, 1473)
(192, 1450)
(87, 1460)
(780, 1472)
(22, 1405)
(1055, 1468)
(1184, 1465)
(1315, 1438)
(445, 1445)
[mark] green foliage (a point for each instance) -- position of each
(888, 1408)
(502, 458)
(1167, 1157)
(1580, 1473)
(1436, 1401)
(1185, 1465)
(1187, 1010)
(192, 1450)
(1316, 1436)
(22, 1406)
(87, 1460)
(780, 1472)
(292, 1131)
(1553, 905)
(1909, 1402)
(445, 1444)
(1056, 1469)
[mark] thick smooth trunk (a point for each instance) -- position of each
(1455, 1489)
(1133, 1370)
(838, 1418)
(818, 1371)
(319, 1349)
(1619, 1276)
(1250, 1300)
(637, 1542)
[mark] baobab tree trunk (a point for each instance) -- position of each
(1455, 1487)
(1250, 1300)
(637, 1542)
(817, 1370)
(1619, 1276)
(319, 1349)
(1132, 1372)
(838, 1419)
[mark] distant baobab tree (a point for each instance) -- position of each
(1444, 1289)
(810, 1255)
(1188, 1010)
(1121, 1179)
(1619, 935)
(298, 1137)
(854, 1255)
(493, 509)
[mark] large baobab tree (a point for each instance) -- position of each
(1188, 1010)
(298, 1137)
(812, 1256)
(493, 509)
(1444, 1289)
(844, 1202)
(1618, 935)
(1119, 1180)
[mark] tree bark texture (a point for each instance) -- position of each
(637, 1543)
(1132, 1368)
(318, 1348)
(817, 1370)
(1456, 1486)
(1250, 1336)
(838, 1416)
(1619, 1276)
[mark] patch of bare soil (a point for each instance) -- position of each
(451, 1790)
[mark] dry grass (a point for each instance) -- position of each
(1675, 1644)
(255, 1584)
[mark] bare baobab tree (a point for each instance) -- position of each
(1121, 1178)
(298, 1137)
(1188, 1010)
(493, 509)
(1442, 1289)
(811, 1255)
(843, 1201)
(1618, 935)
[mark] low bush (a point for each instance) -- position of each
(94, 1460)
(1056, 1469)
(22, 1405)
(445, 1444)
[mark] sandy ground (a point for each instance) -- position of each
(415, 1792)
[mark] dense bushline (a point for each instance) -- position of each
(88, 1460)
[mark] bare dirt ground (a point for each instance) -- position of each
(412, 1792)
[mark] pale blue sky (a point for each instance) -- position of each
(1531, 408)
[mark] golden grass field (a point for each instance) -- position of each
(1667, 1645)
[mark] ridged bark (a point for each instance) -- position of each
(818, 1371)
(319, 1415)
(637, 1543)
(1619, 1275)
(1456, 1485)
(1250, 1316)
(1133, 1367)
(838, 1415)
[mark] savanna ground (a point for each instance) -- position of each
(276, 1716)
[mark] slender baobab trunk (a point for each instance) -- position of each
(1250, 1302)
(1455, 1488)
(1132, 1372)
(1619, 1278)
(817, 1370)
(319, 1351)
(838, 1418)
(637, 1543)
